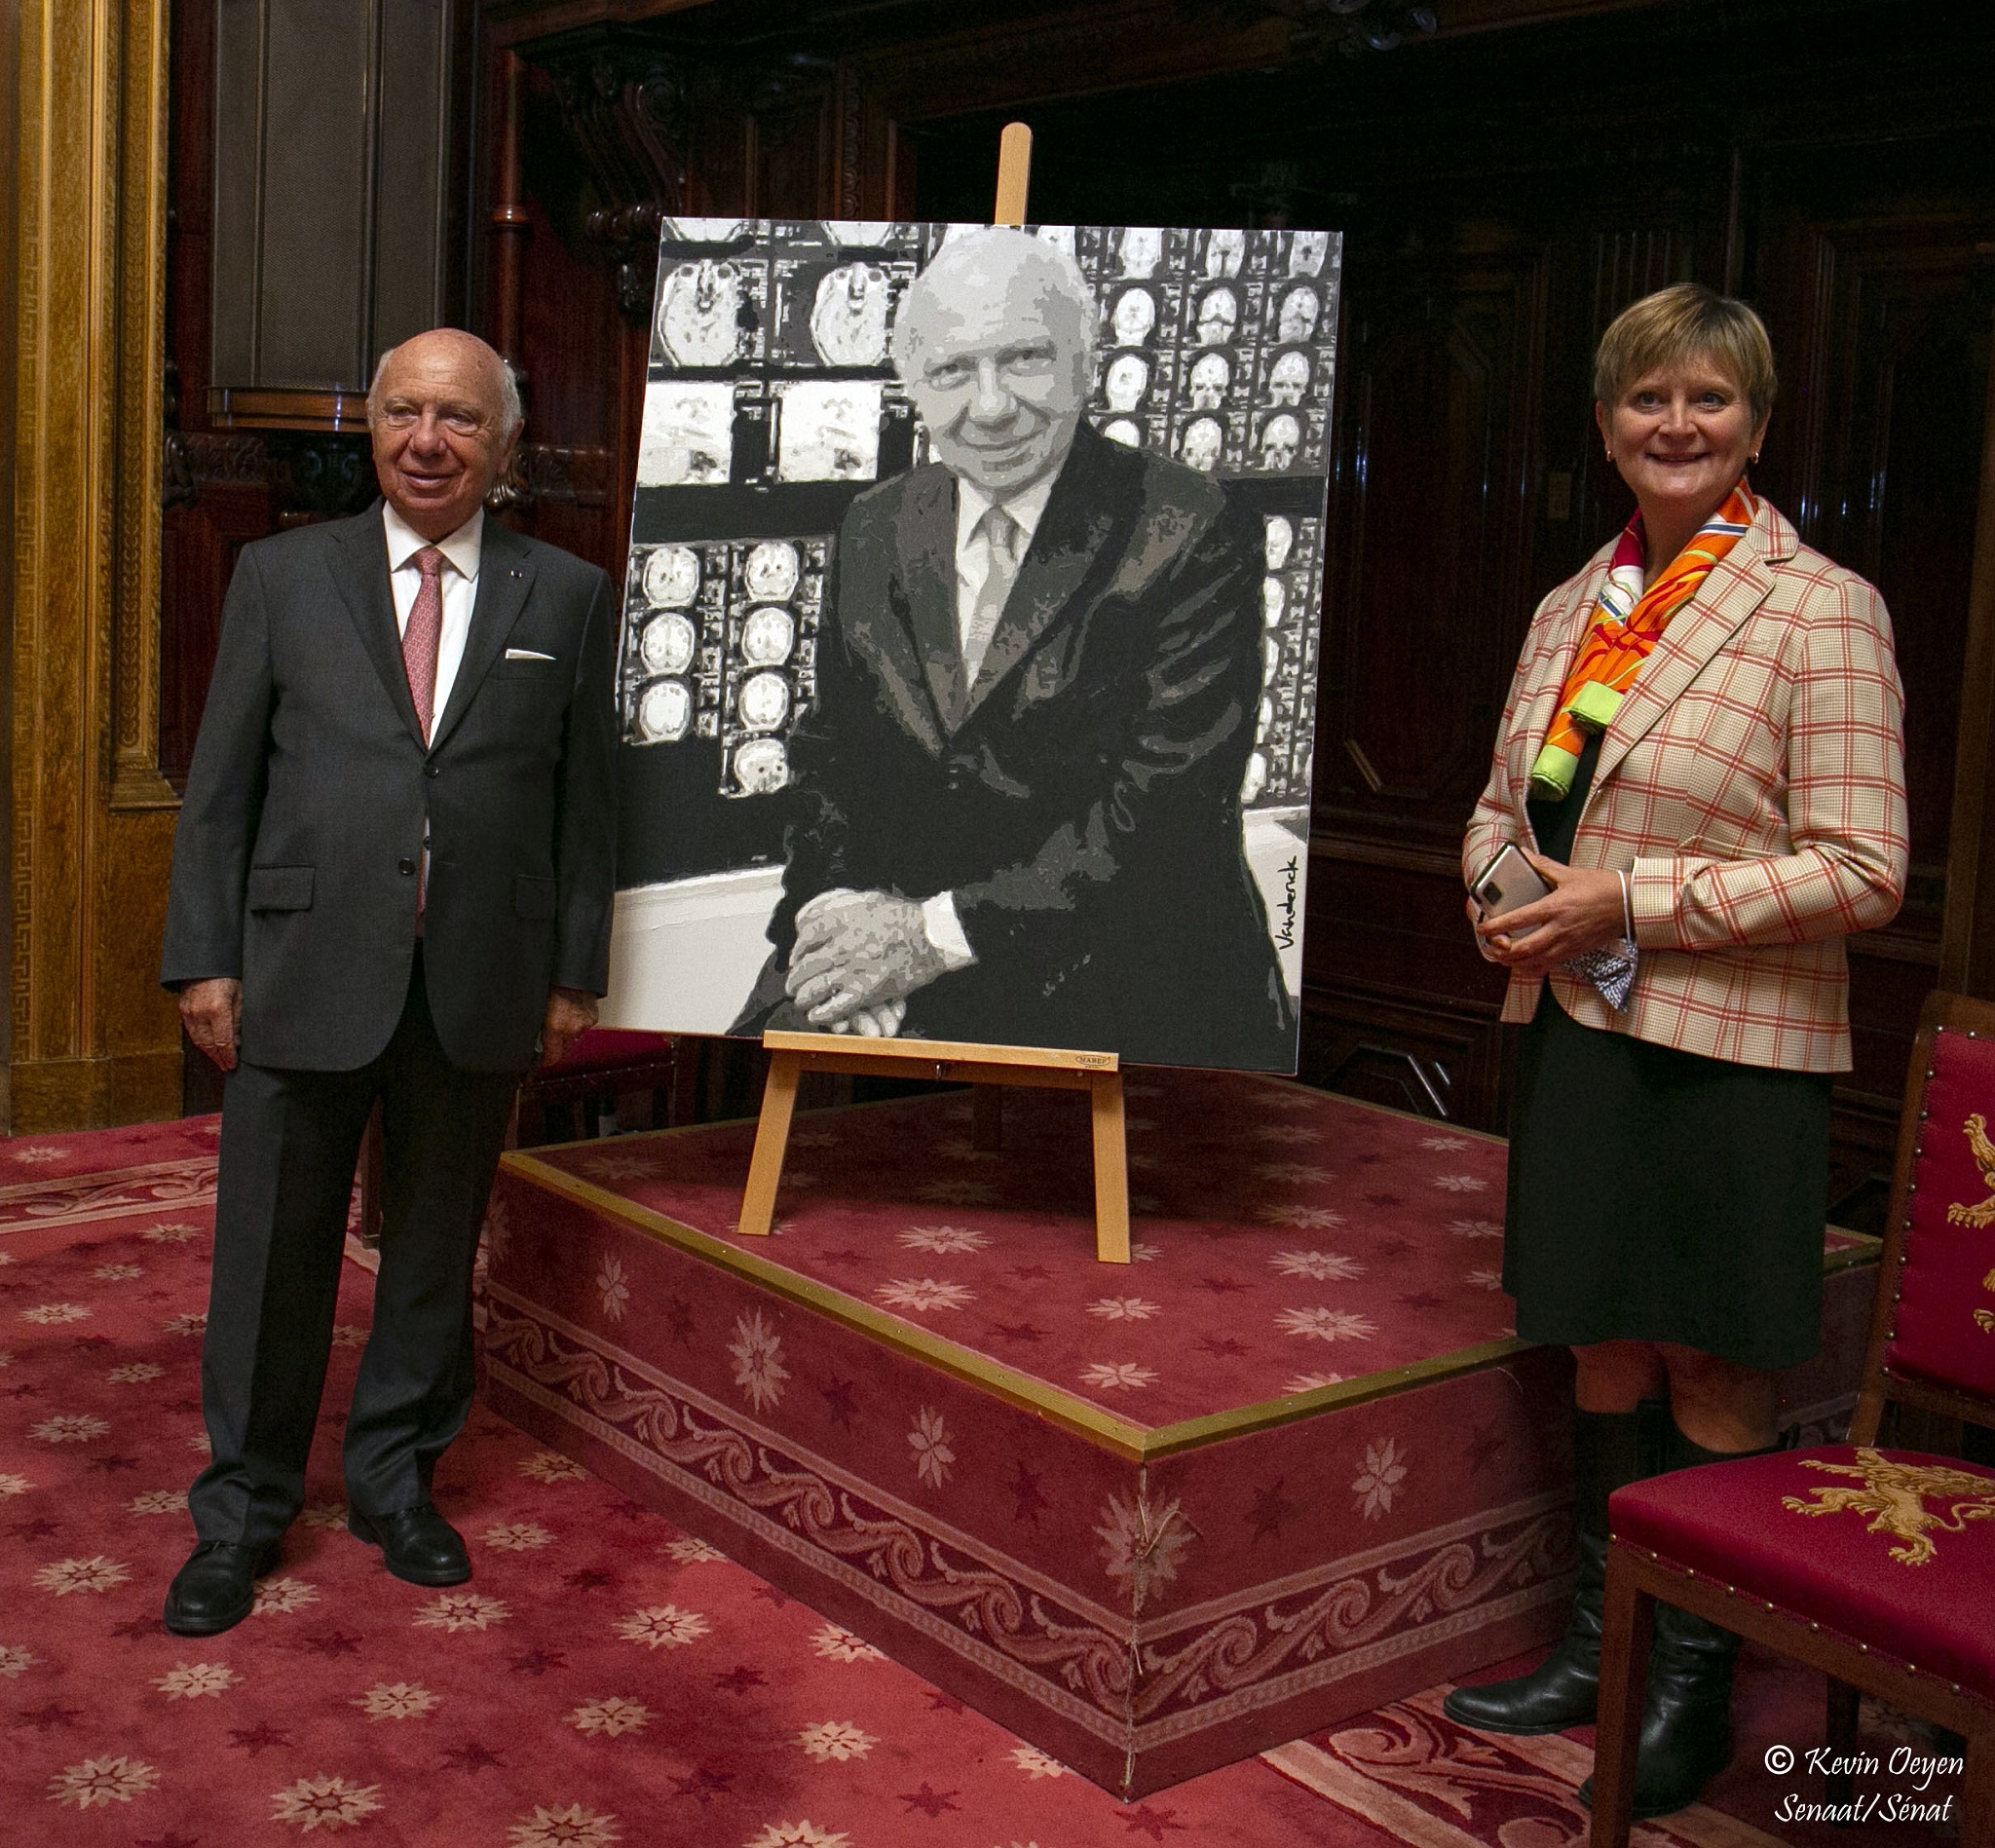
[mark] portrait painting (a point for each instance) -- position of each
(967, 674)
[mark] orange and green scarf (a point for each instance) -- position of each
(1628, 622)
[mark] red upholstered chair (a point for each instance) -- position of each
(1877, 1566)
(604, 1063)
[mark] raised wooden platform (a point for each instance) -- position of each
(1288, 1465)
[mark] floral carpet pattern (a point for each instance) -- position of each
(603, 1679)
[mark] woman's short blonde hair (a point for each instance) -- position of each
(1687, 322)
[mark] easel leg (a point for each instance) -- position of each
(987, 1119)
(772, 1140)
(1112, 1170)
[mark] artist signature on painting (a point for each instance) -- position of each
(1285, 930)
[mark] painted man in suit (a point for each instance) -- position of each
(392, 881)
(1019, 785)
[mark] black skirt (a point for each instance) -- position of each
(1658, 1195)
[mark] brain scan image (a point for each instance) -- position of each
(700, 309)
(1127, 380)
(763, 701)
(1264, 720)
(1219, 317)
(1060, 236)
(767, 636)
(1134, 318)
(1212, 375)
(671, 577)
(1301, 310)
(1274, 602)
(1281, 440)
(1306, 252)
(1142, 249)
(1123, 431)
(1256, 778)
(706, 230)
(1270, 660)
(1201, 443)
(849, 318)
(688, 436)
(1224, 253)
(1288, 379)
(1279, 540)
(667, 644)
(665, 711)
(830, 430)
(762, 765)
(771, 570)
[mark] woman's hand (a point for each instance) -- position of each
(1583, 912)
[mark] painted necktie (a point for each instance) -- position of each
(1001, 534)
(419, 641)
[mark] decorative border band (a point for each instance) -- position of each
(1115, 1676)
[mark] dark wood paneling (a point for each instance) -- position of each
(1437, 373)
(200, 544)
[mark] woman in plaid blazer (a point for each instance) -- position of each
(1720, 709)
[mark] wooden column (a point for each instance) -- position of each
(511, 228)
(92, 1039)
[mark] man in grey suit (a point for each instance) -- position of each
(392, 879)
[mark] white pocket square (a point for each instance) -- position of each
(526, 653)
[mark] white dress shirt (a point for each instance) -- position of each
(1028, 507)
(459, 584)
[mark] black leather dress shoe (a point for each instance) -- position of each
(417, 1544)
(216, 1588)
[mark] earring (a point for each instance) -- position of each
(1611, 455)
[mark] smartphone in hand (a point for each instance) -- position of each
(1507, 883)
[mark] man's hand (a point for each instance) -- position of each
(856, 952)
(571, 1014)
(1583, 912)
(873, 1023)
(212, 1011)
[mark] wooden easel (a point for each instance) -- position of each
(1098, 1074)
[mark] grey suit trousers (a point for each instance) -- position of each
(289, 1142)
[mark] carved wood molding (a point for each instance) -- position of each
(625, 100)
(554, 475)
(88, 842)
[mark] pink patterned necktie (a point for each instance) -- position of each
(419, 641)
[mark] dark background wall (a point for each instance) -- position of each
(1505, 186)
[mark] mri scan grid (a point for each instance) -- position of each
(720, 641)
(771, 377)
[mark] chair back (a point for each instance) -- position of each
(1933, 1335)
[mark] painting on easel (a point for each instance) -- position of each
(969, 669)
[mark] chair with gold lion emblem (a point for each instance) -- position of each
(1876, 1566)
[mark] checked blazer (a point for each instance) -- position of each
(1751, 786)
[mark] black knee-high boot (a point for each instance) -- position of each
(1686, 1714)
(1609, 1450)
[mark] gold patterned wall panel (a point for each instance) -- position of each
(93, 1040)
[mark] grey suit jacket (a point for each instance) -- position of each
(295, 862)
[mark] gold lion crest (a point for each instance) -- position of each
(1975, 1129)
(1895, 1497)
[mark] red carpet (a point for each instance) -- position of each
(602, 1680)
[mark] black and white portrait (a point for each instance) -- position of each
(971, 632)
